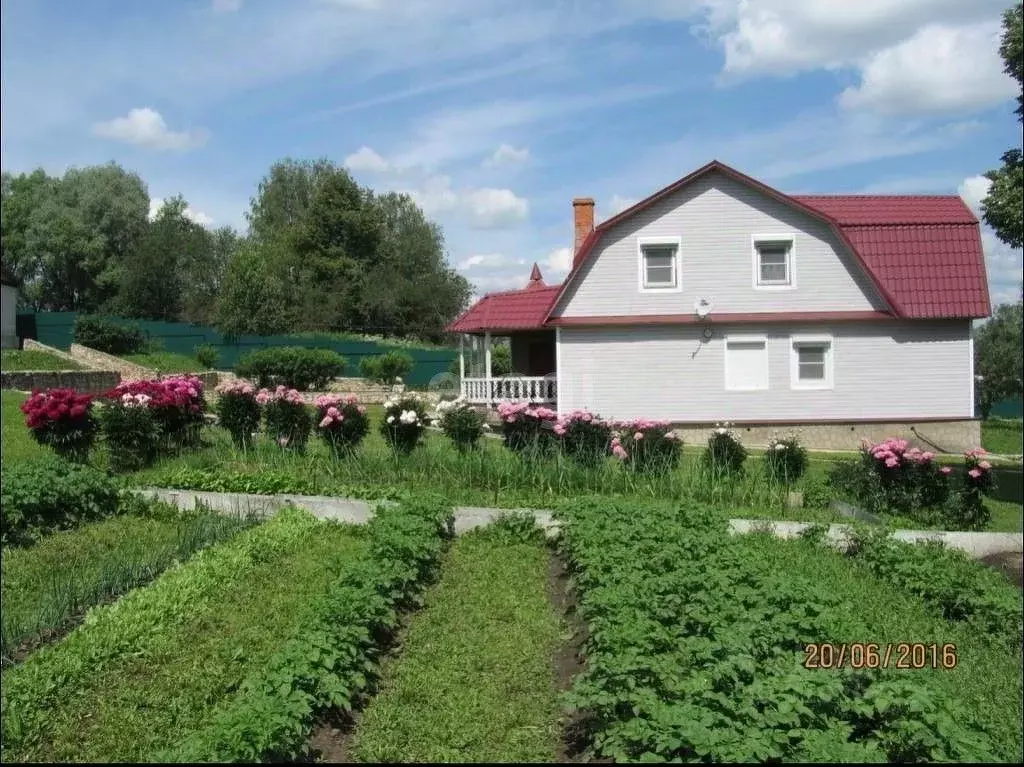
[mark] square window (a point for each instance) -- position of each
(812, 364)
(774, 262)
(659, 266)
(746, 364)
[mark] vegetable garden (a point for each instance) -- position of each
(133, 631)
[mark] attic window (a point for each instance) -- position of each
(659, 264)
(773, 262)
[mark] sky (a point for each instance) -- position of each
(494, 114)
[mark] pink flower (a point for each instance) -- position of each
(985, 465)
(361, 408)
(892, 462)
(974, 473)
(327, 420)
(619, 452)
(638, 435)
(946, 470)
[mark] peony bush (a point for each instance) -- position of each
(177, 404)
(405, 420)
(724, 454)
(130, 431)
(584, 437)
(341, 422)
(238, 411)
(785, 460)
(286, 417)
(63, 420)
(646, 446)
(462, 423)
(527, 428)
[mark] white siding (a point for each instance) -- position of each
(715, 219)
(882, 370)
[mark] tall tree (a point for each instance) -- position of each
(203, 274)
(1003, 207)
(998, 361)
(284, 196)
(257, 292)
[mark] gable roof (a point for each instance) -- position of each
(922, 254)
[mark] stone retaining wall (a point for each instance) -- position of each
(103, 361)
(84, 381)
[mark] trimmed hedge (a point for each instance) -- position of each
(293, 366)
(385, 368)
(107, 336)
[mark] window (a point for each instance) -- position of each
(659, 264)
(773, 261)
(812, 363)
(746, 363)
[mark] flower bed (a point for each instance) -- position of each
(62, 419)
(527, 428)
(341, 422)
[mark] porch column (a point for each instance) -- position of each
(462, 365)
(487, 364)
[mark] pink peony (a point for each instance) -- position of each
(984, 465)
(946, 470)
(619, 452)
(892, 462)
(974, 473)
(327, 420)
(638, 435)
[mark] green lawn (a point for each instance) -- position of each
(1002, 435)
(142, 674)
(166, 362)
(34, 359)
(17, 443)
(46, 586)
(475, 680)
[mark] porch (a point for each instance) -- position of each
(529, 375)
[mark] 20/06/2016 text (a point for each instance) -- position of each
(898, 655)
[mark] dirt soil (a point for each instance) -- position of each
(1010, 564)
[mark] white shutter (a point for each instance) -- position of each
(746, 364)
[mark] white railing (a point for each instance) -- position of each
(515, 388)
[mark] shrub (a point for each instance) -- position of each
(527, 428)
(295, 367)
(649, 447)
(50, 494)
(965, 509)
(62, 419)
(405, 419)
(463, 424)
(207, 355)
(724, 453)
(238, 411)
(341, 422)
(286, 417)
(584, 437)
(386, 367)
(130, 431)
(108, 336)
(177, 403)
(818, 494)
(785, 460)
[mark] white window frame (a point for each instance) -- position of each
(746, 339)
(825, 340)
(790, 262)
(677, 264)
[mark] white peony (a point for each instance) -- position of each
(408, 416)
(391, 419)
(780, 446)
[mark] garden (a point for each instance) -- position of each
(137, 631)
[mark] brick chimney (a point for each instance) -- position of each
(583, 222)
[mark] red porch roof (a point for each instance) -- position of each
(922, 253)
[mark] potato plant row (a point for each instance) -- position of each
(696, 651)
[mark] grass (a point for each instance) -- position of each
(144, 673)
(1002, 435)
(17, 443)
(166, 362)
(47, 586)
(475, 680)
(34, 359)
(987, 680)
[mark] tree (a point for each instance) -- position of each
(998, 362)
(256, 295)
(1003, 206)
(284, 196)
(203, 275)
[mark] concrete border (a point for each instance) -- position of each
(355, 511)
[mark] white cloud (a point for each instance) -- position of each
(145, 127)
(938, 69)
(507, 155)
(619, 203)
(226, 6)
(365, 159)
(496, 208)
(559, 261)
(196, 216)
(973, 190)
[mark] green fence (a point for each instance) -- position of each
(57, 329)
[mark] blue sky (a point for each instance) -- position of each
(495, 114)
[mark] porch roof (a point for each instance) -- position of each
(523, 309)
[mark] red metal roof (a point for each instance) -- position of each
(922, 253)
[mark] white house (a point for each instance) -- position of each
(720, 298)
(8, 310)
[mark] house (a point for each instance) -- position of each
(719, 298)
(8, 309)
